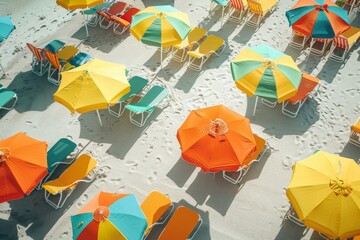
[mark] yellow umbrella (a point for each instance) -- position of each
(92, 86)
(79, 4)
(325, 193)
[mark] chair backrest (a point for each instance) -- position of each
(129, 14)
(196, 34)
(154, 206)
(78, 170)
(36, 51)
(211, 43)
(238, 4)
(59, 152)
(307, 84)
(154, 96)
(180, 225)
(260, 144)
(255, 7)
(117, 8)
(341, 42)
(137, 84)
(323, 40)
(53, 59)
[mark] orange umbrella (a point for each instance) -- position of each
(22, 165)
(216, 139)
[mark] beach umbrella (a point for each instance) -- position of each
(318, 18)
(109, 216)
(6, 27)
(216, 139)
(160, 26)
(92, 86)
(325, 193)
(79, 4)
(23, 165)
(265, 72)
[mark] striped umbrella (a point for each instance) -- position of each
(265, 72)
(109, 216)
(160, 26)
(318, 18)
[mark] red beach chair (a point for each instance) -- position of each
(105, 17)
(123, 22)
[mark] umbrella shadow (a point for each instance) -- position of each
(330, 70)
(204, 229)
(28, 87)
(8, 229)
(187, 80)
(245, 34)
(306, 117)
(290, 230)
(181, 172)
(350, 151)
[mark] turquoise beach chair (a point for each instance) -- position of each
(137, 84)
(6, 96)
(146, 105)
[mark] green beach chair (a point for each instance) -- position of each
(58, 154)
(137, 84)
(146, 105)
(6, 96)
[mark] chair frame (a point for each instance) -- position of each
(243, 170)
(297, 45)
(203, 59)
(292, 216)
(269, 103)
(123, 28)
(14, 98)
(38, 60)
(256, 23)
(109, 22)
(214, 5)
(318, 52)
(94, 19)
(184, 50)
(346, 50)
(355, 135)
(161, 220)
(233, 10)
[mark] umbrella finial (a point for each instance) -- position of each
(4, 154)
(340, 187)
(218, 127)
(101, 214)
(269, 63)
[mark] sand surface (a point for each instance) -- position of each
(139, 160)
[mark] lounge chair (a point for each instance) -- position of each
(318, 45)
(292, 216)
(259, 9)
(146, 105)
(354, 134)
(237, 10)
(116, 9)
(298, 40)
(352, 4)
(343, 43)
(79, 59)
(183, 224)
(59, 154)
(56, 67)
(204, 51)
(83, 169)
(6, 96)
(137, 84)
(308, 86)
(123, 22)
(236, 177)
(223, 4)
(154, 208)
(194, 37)
(269, 102)
(91, 17)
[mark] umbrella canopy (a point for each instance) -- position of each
(23, 165)
(216, 138)
(318, 18)
(78, 4)
(160, 26)
(6, 27)
(109, 216)
(325, 193)
(265, 72)
(92, 86)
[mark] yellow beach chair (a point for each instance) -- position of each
(83, 169)
(204, 51)
(355, 133)
(259, 9)
(194, 37)
(343, 43)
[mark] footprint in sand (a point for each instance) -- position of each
(84, 199)
(132, 166)
(158, 161)
(64, 235)
(287, 163)
(152, 178)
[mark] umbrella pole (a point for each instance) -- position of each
(97, 111)
(86, 28)
(161, 57)
(2, 70)
(256, 101)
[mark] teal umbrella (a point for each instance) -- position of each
(6, 27)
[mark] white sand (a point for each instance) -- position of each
(139, 160)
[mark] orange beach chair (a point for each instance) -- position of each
(355, 133)
(308, 85)
(114, 10)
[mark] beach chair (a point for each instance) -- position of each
(56, 67)
(194, 37)
(6, 96)
(342, 44)
(237, 10)
(269, 102)
(236, 177)
(354, 133)
(183, 224)
(91, 17)
(204, 51)
(137, 84)
(308, 86)
(146, 105)
(352, 4)
(318, 45)
(83, 169)
(258, 10)
(157, 208)
(114, 10)
(298, 40)
(62, 152)
(293, 217)
(122, 23)
(223, 4)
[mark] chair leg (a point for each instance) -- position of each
(119, 112)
